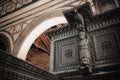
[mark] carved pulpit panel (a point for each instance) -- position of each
(64, 43)
(66, 55)
(106, 46)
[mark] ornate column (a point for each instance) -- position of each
(85, 58)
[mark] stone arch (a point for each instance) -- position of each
(7, 41)
(33, 30)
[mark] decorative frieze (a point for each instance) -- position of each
(9, 6)
(17, 29)
(102, 24)
(103, 20)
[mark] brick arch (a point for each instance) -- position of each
(37, 26)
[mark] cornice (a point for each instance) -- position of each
(103, 20)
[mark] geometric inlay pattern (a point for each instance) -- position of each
(8, 6)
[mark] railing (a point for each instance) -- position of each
(12, 68)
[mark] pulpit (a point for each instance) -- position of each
(88, 47)
(64, 49)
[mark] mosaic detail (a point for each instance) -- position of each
(9, 6)
(16, 30)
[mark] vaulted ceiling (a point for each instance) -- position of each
(39, 52)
